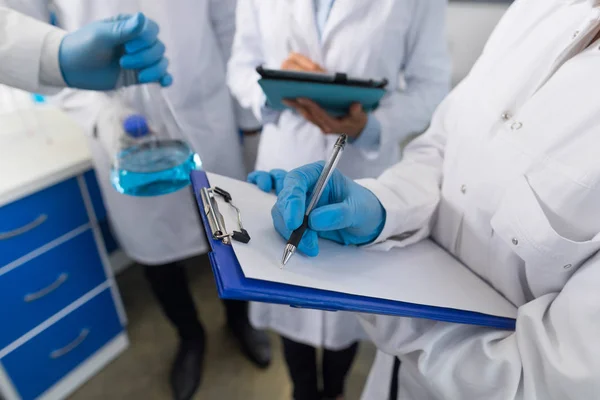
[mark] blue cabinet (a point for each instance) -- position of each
(63, 346)
(93, 189)
(38, 219)
(61, 317)
(100, 210)
(45, 285)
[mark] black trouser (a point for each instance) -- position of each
(170, 286)
(301, 360)
(394, 382)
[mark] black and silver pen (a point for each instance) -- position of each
(292, 244)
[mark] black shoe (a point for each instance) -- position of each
(255, 344)
(186, 372)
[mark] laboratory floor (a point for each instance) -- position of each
(141, 372)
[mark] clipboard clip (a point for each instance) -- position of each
(216, 220)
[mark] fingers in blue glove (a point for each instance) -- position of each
(262, 179)
(338, 221)
(291, 201)
(144, 58)
(127, 27)
(309, 244)
(155, 73)
(120, 17)
(278, 176)
(166, 80)
(332, 220)
(267, 181)
(145, 38)
(332, 217)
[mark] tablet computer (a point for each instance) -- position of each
(333, 92)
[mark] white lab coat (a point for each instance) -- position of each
(385, 38)
(198, 36)
(507, 179)
(382, 39)
(27, 49)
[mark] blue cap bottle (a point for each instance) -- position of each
(136, 126)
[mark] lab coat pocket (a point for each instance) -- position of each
(550, 258)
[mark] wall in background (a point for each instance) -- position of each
(470, 23)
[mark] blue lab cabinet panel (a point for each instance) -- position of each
(38, 289)
(45, 359)
(33, 221)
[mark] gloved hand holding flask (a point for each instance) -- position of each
(95, 56)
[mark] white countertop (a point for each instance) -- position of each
(39, 148)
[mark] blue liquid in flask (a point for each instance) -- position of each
(154, 168)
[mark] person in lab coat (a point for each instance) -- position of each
(507, 180)
(382, 39)
(41, 58)
(162, 232)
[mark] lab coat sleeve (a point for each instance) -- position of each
(38, 9)
(222, 18)
(222, 15)
(410, 190)
(247, 54)
(83, 106)
(30, 50)
(552, 354)
(426, 73)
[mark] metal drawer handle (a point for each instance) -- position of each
(71, 346)
(62, 278)
(25, 228)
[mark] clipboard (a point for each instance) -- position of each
(233, 284)
(333, 92)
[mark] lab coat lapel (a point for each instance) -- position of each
(304, 37)
(341, 13)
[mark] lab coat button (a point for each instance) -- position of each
(575, 34)
(505, 116)
(463, 189)
(515, 241)
(516, 126)
(568, 266)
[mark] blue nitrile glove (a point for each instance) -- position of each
(93, 57)
(267, 181)
(347, 212)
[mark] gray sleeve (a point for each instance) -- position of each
(29, 47)
(426, 72)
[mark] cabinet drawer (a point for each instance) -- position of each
(45, 359)
(38, 289)
(40, 218)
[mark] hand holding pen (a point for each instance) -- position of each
(296, 236)
(347, 213)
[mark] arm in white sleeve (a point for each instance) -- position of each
(427, 75)
(222, 19)
(245, 118)
(29, 51)
(38, 9)
(247, 54)
(83, 106)
(552, 354)
(222, 16)
(410, 190)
